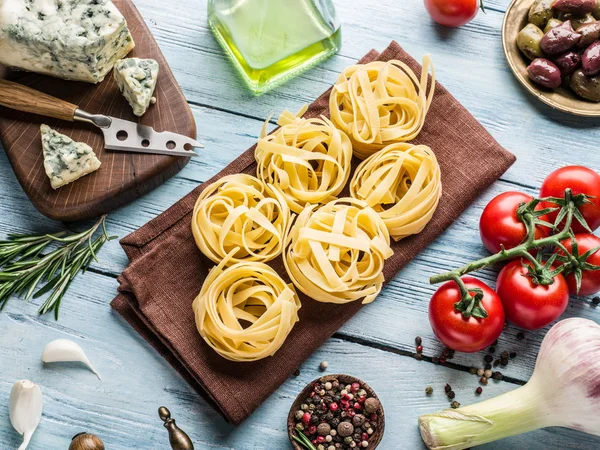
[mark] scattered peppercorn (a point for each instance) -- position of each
(455, 404)
(418, 340)
(483, 380)
(428, 390)
(488, 366)
(487, 373)
(520, 336)
(451, 395)
(323, 366)
(488, 358)
(479, 390)
(296, 373)
(496, 363)
(513, 355)
(418, 356)
(504, 362)
(596, 301)
(447, 388)
(480, 372)
(497, 376)
(473, 370)
(419, 349)
(492, 349)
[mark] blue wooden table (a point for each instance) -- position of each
(378, 344)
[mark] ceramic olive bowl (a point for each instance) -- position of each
(562, 98)
(375, 438)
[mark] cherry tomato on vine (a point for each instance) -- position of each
(452, 13)
(526, 304)
(581, 180)
(590, 279)
(499, 224)
(455, 330)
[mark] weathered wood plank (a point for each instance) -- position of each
(122, 407)
(403, 302)
(543, 140)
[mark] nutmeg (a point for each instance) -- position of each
(86, 441)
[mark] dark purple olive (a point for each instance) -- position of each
(590, 61)
(559, 39)
(568, 62)
(544, 73)
(584, 86)
(580, 7)
(590, 33)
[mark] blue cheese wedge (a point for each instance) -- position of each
(64, 159)
(71, 39)
(136, 79)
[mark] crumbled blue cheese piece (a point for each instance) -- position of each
(70, 39)
(64, 159)
(136, 79)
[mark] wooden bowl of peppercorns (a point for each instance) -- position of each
(337, 412)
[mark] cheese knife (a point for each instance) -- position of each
(120, 135)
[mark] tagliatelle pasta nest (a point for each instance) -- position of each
(306, 160)
(381, 103)
(336, 253)
(245, 312)
(403, 184)
(235, 212)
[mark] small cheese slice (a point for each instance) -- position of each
(64, 159)
(136, 79)
(70, 39)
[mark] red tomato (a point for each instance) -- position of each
(458, 332)
(581, 180)
(499, 224)
(590, 279)
(452, 13)
(526, 304)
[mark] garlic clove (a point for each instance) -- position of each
(64, 350)
(25, 409)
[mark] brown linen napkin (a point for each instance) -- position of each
(167, 269)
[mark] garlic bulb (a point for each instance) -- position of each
(25, 409)
(563, 391)
(64, 350)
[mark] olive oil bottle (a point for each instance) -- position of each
(270, 41)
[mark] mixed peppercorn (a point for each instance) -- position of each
(337, 416)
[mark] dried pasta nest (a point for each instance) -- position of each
(306, 160)
(381, 103)
(336, 253)
(245, 312)
(235, 212)
(402, 183)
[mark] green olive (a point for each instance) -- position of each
(528, 41)
(578, 21)
(584, 86)
(541, 11)
(551, 24)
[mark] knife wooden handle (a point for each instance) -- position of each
(23, 98)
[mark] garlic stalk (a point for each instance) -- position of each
(564, 391)
(64, 350)
(25, 409)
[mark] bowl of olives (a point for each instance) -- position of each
(553, 48)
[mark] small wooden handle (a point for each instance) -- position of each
(22, 98)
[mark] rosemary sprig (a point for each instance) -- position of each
(304, 441)
(23, 266)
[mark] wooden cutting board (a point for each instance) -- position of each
(123, 177)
